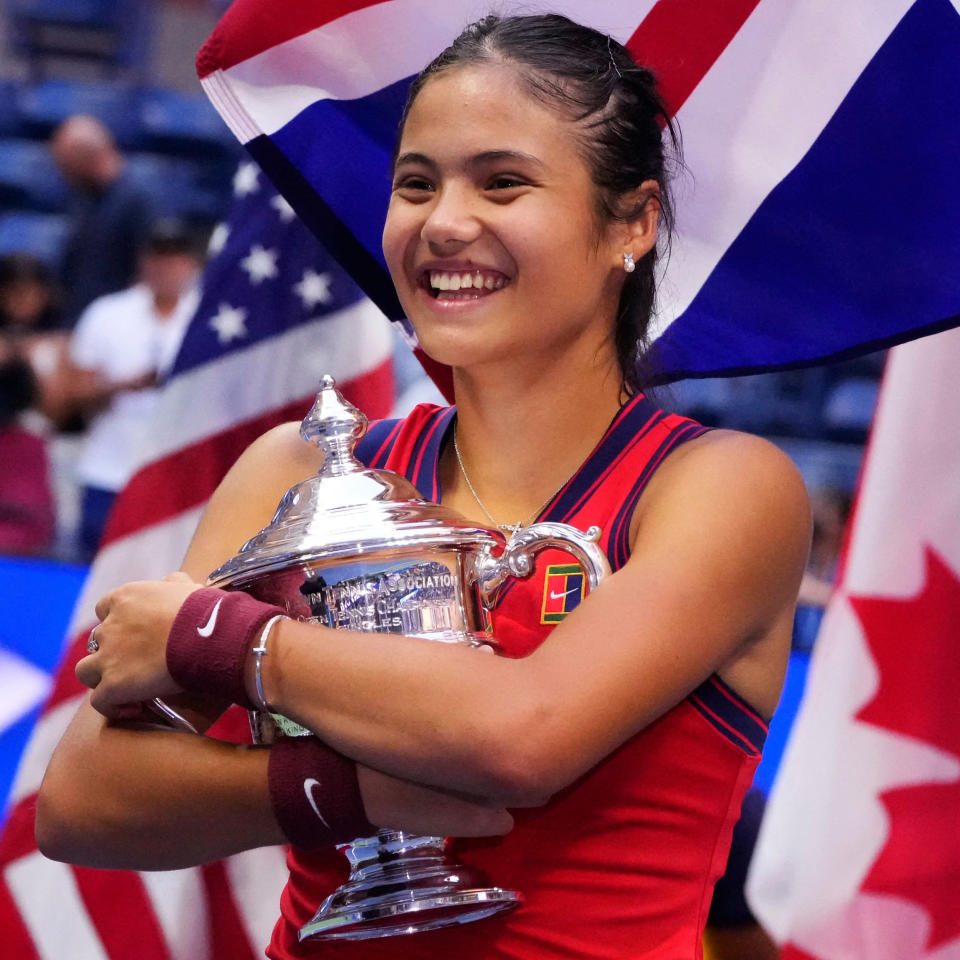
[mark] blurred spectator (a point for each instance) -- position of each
(123, 343)
(111, 215)
(30, 321)
(29, 302)
(27, 513)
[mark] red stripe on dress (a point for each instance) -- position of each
(188, 477)
(739, 702)
(228, 937)
(107, 897)
(425, 445)
(387, 444)
(734, 733)
(680, 40)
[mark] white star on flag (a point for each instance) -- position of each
(229, 323)
(314, 288)
(260, 264)
(245, 180)
(218, 239)
(279, 203)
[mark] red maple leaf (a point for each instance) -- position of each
(915, 642)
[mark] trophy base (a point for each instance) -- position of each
(414, 891)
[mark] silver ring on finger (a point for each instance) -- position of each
(92, 645)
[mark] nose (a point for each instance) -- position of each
(451, 222)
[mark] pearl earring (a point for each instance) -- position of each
(628, 263)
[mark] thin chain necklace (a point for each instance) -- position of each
(510, 528)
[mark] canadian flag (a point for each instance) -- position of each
(859, 854)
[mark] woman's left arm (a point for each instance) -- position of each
(718, 554)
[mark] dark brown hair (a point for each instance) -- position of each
(593, 80)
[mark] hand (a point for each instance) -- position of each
(130, 666)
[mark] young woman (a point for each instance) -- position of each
(528, 188)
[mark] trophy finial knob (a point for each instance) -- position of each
(334, 425)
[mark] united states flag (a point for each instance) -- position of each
(275, 315)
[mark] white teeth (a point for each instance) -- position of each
(442, 280)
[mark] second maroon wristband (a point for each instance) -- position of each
(209, 640)
(315, 794)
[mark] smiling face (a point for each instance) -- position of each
(492, 236)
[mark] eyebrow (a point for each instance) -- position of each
(478, 160)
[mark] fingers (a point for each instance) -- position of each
(87, 671)
(102, 609)
(178, 576)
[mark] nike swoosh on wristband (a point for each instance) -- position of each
(207, 629)
(308, 786)
(557, 596)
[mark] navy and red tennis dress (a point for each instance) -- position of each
(622, 862)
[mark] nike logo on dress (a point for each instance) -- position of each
(557, 596)
(207, 629)
(308, 786)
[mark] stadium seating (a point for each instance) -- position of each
(29, 178)
(40, 234)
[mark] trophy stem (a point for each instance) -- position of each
(404, 883)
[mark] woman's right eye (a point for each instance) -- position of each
(412, 185)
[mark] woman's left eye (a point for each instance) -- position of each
(505, 182)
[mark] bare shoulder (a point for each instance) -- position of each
(725, 524)
(725, 473)
(247, 497)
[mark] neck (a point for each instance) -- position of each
(521, 437)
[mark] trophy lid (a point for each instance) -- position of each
(347, 509)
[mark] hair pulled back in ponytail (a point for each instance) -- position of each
(592, 80)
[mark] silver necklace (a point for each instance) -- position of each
(510, 528)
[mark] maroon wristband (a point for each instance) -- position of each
(210, 638)
(315, 794)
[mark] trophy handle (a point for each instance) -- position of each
(517, 557)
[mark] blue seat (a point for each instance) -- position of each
(849, 407)
(45, 105)
(178, 187)
(184, 124)
(29, 178)
(40, 234)
(109, 33)
(10, 124)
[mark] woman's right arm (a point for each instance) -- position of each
(119, 797)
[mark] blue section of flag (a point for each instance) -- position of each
(289, 279)
(861, 241)
(338, 144)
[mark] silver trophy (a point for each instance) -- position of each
(359, 549)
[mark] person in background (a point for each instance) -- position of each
(27, 513)
(31, 323)
(122, 345)
(111, 215)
